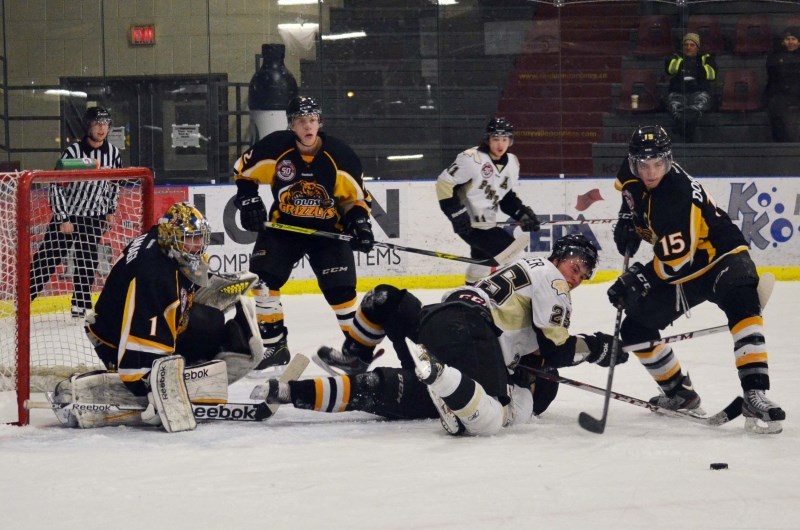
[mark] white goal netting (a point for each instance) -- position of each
(51, 272)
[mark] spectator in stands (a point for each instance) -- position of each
(82, 213)
(689, 86)
(783, 88)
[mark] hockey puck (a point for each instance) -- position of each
(719, 465)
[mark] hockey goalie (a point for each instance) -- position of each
(169, 333)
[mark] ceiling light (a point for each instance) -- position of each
(395, 158)
(339, 36)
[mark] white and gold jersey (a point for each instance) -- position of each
(478, 182)
(531, 305)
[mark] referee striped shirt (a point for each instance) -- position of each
(94, 198)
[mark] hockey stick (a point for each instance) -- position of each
(587, 421)
(219, 411)
(550, 222)
(503, 258)
(732, 411)
(766, 284)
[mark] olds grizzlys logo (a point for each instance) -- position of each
(487, 170)
(306, 199)
(285, 170)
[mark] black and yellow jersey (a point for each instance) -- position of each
(688, 231)
(143, 307)
(313, 192)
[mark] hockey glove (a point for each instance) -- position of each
(361, 231)
(527, 219)
(630, 288)
(625, 235)
(600, 349)
(460, 219)
(250, 206)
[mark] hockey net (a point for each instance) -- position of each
(41, 342)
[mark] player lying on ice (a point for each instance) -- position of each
(469, 348)
(161, 320)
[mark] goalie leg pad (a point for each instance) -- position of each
(207, 383)
(99, 387)
(169, 396)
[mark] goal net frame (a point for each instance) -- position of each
(21, 232)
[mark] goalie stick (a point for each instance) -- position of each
(248, 412)
(732, 411)
(505, 257)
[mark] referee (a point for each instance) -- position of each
(82, 211)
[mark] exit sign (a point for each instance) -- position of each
(142, 35)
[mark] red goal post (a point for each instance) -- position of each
(41, 342)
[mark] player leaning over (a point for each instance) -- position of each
(481, 180)
(699, 255)
(316, 182)
(471, 342)
(147, 326)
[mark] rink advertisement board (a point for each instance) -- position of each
(407, 213)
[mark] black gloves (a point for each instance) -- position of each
(250, 206)
(527, 219)
(600, 349)
(625, 235)
(460, 219)
(360, 229)
(629, 288)
(544, 391)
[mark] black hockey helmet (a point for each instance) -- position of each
(648, 142)
(499, 127)
(302, 106)
(99, 114)
(575, 245)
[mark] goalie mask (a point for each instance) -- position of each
(184, 235)
(303, 106)
(98, 114)
(499, 127)
(576, 245)
(647, 143)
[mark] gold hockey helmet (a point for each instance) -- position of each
(184, 235)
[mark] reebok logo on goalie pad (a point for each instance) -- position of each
(162, 383)
(226, 412)
(188, 376)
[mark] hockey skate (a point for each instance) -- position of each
(276, 349)
(340, 362)
(762, 416)
(273, 392)
(428, 369)
(682, 398)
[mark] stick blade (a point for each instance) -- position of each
(591, 424)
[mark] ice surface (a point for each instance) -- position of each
(312, 470)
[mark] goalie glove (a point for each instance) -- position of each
(251, 207)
